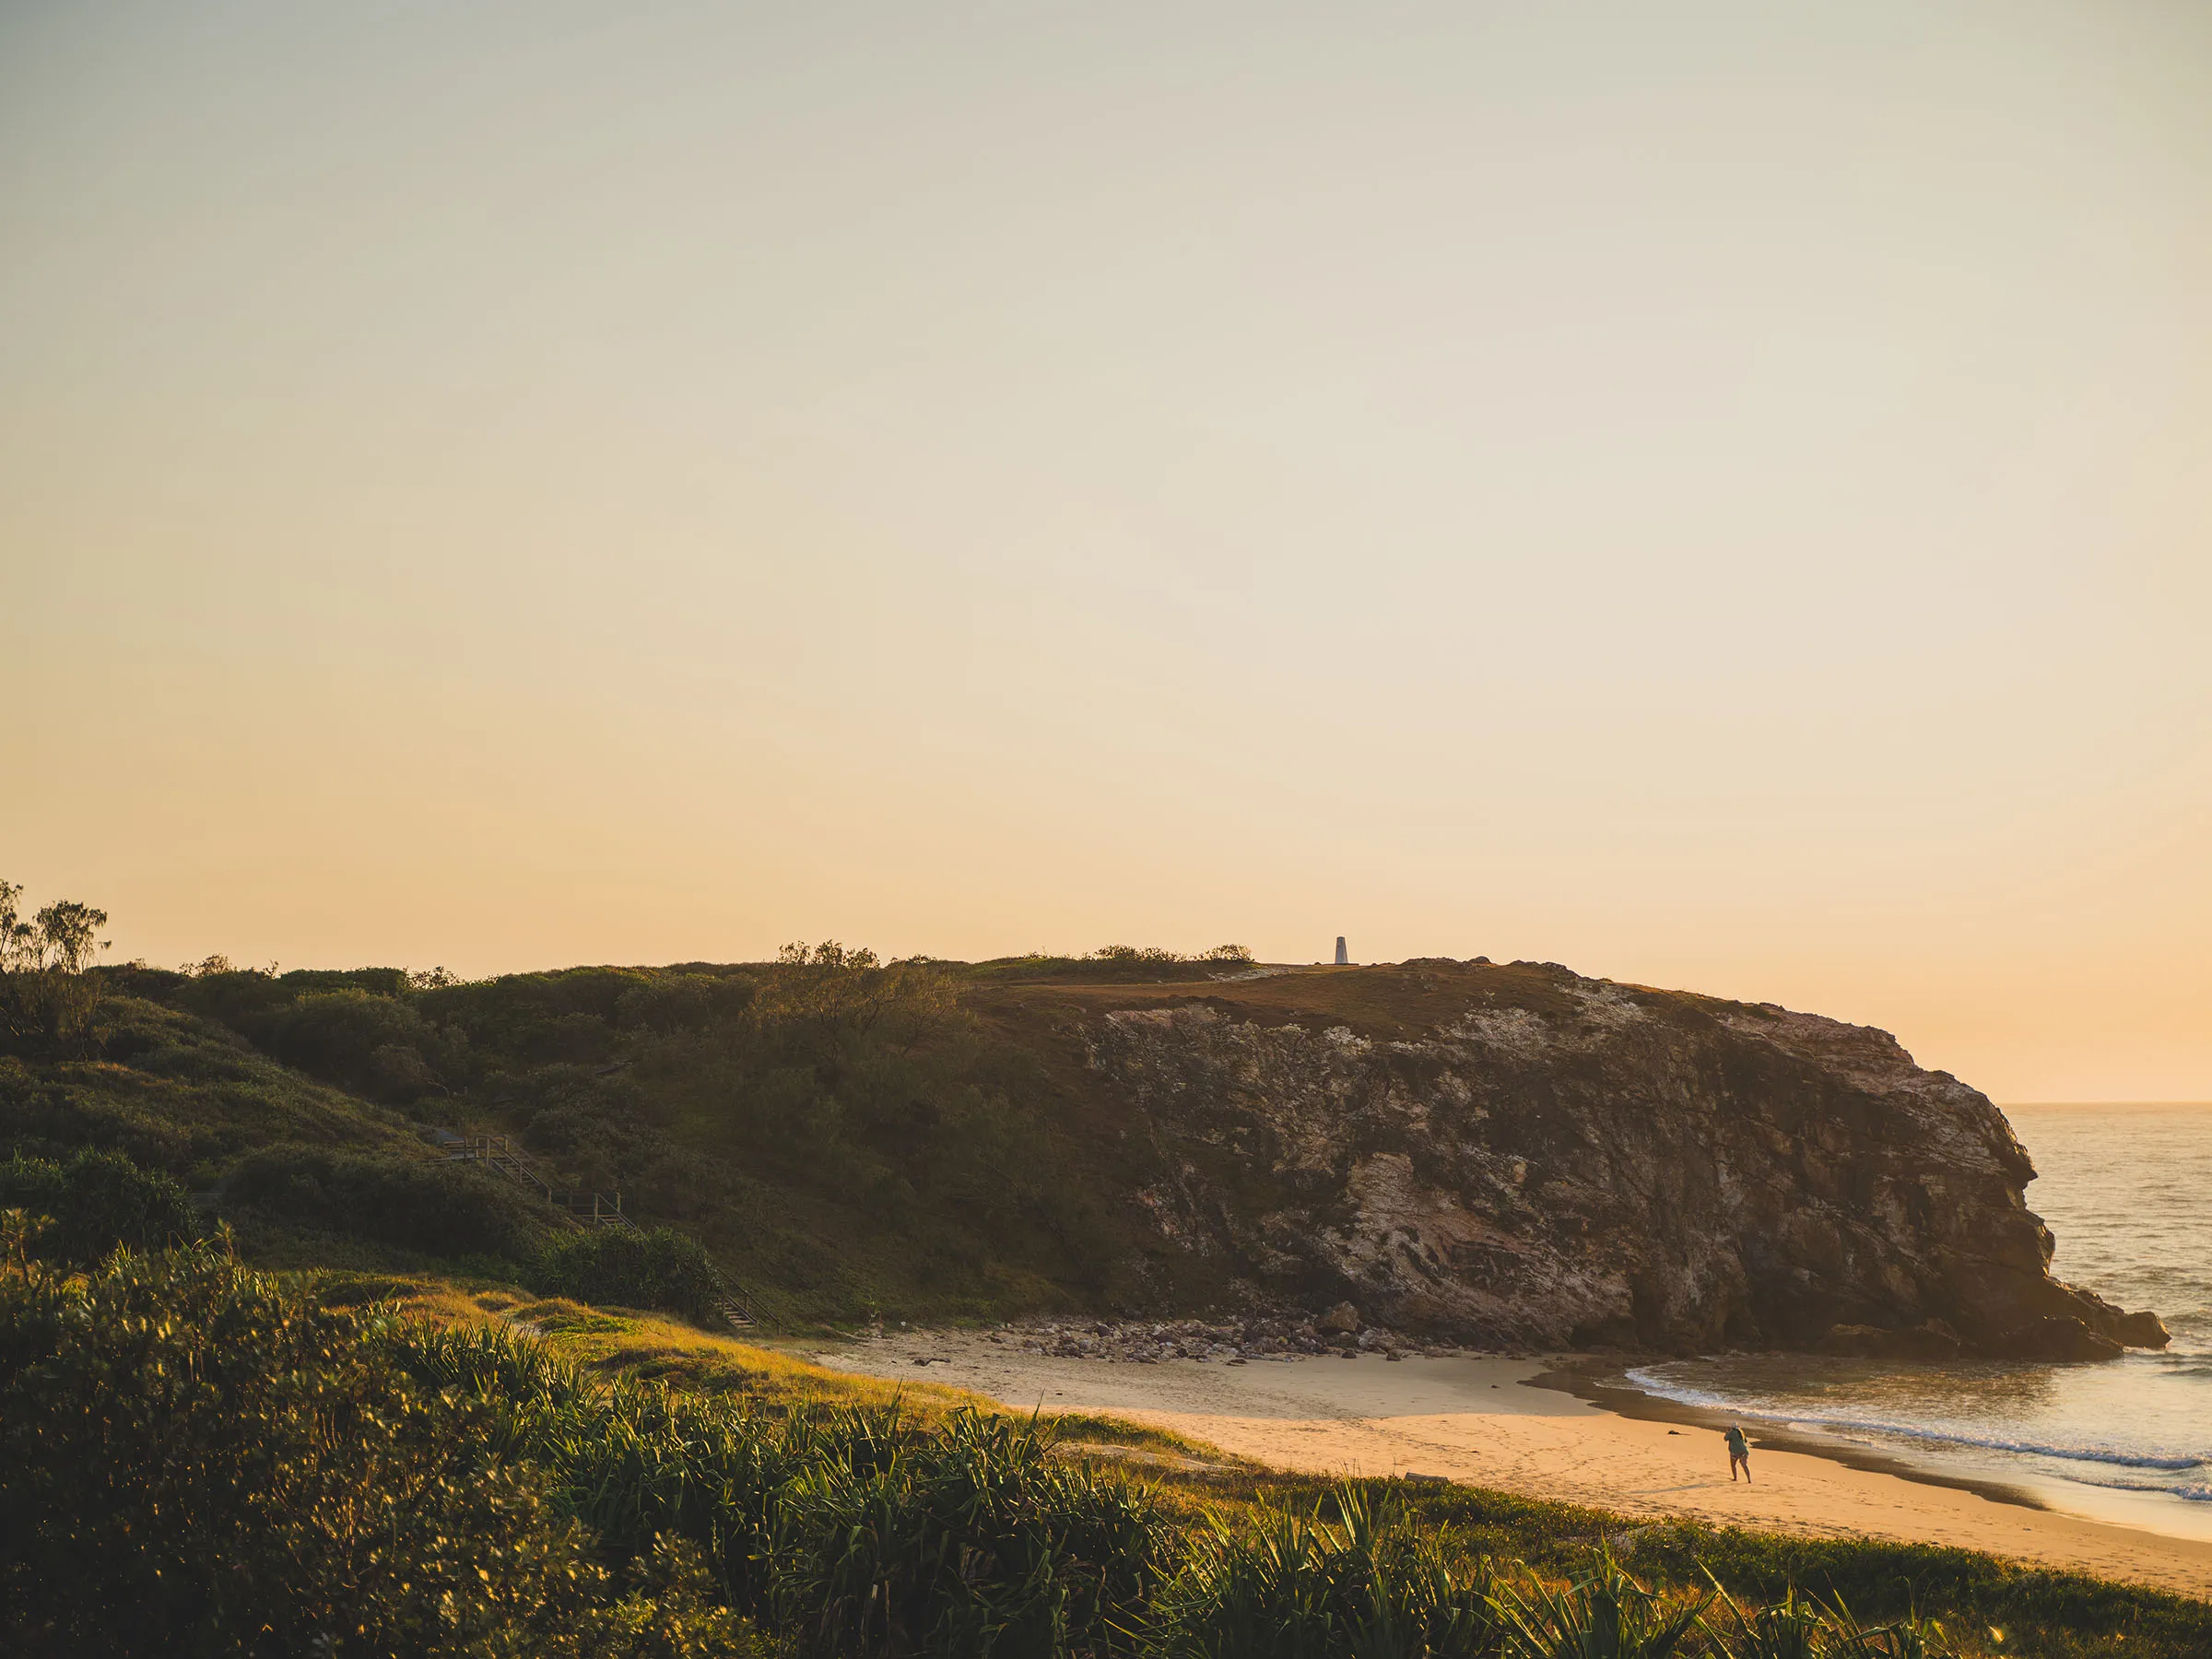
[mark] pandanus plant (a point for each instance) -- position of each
(1293, 1585)
(1804, 1626)
(1603, 1613)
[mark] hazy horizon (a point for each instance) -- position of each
(1716, 499)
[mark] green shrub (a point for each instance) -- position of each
(848, 1530)
(1293, 1585)
(95, 1202)
(970, 1540)
(843, 1124)
(359, 1029)
(1602, 1614)
(441, 1208)
(653, 1269)
(375, 1045)
(669, 1002)
(199, 1462)
(376, 982)
(242, 998)
(173, 1091)
(538, 1018)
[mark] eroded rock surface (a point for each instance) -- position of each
(1561, 1161)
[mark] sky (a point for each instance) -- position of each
(1714, 495)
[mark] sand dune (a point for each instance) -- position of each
(1481, 1421)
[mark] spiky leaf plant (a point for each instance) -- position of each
(1603, 1613)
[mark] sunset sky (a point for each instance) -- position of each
(1718, 495)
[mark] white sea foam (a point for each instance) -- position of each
(1716, 1400)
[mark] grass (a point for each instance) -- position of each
(641, 1344)
(630, 1342)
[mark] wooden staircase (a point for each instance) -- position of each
(501, 1154)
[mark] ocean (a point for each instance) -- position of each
(2127, 1192)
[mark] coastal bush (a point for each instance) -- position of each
(669, 1002)
(843, 1123)
(594, 1129)
(659, 1268)
(1152, 956)
(200, 1462)
(968, 1540)
(2048, 1611)
(1291, 1584)
(46, 1000)
(1115, 962)
(174, 1093)
(376, 1045)
(196, 1459)
(1602, 1613)
(630, 1459)
(840, 1122)
(441, 1208)
(95, 1202)
(360, 1028)
(1803, 1627)
(847, 1530)
(527, 1019)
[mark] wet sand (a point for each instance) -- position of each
(1489, 1422)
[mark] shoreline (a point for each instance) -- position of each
(2149, 1511)
(1585, 1381)
(1542, 1427)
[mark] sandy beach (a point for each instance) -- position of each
(1485, 1421)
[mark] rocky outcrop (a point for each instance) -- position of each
(1558, 1161)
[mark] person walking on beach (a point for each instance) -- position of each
(1739, 1452)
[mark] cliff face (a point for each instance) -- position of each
(1552, 1160)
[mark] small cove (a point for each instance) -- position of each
(2127, 1192)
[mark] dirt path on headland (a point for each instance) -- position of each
(1479, 1420)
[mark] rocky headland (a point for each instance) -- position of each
(1514, 1156)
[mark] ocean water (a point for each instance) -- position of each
(2127, 1192)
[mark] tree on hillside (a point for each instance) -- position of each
(43, 994)
(827, 997)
